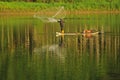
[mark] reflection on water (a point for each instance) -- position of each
(57, 50)
(29, 49)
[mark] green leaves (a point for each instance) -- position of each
(75, 5)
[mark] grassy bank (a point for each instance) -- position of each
(24, 7)
(68, 6)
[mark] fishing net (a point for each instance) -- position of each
(51, 15)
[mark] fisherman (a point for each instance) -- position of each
(61, 25)
(87, 31)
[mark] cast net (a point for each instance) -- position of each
(51, 15)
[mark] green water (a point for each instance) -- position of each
(30, 50)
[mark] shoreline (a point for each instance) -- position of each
(74, 12)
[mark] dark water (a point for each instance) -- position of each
(30, 50)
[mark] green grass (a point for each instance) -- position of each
(32, 6)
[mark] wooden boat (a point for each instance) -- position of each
(72, 34)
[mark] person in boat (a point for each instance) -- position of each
(61, 22)
(87, 33)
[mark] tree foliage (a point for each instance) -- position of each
(70, 1)
(68, 4)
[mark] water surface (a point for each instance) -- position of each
(30, 50)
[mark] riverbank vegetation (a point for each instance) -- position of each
(70, 5)
(91, 5)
